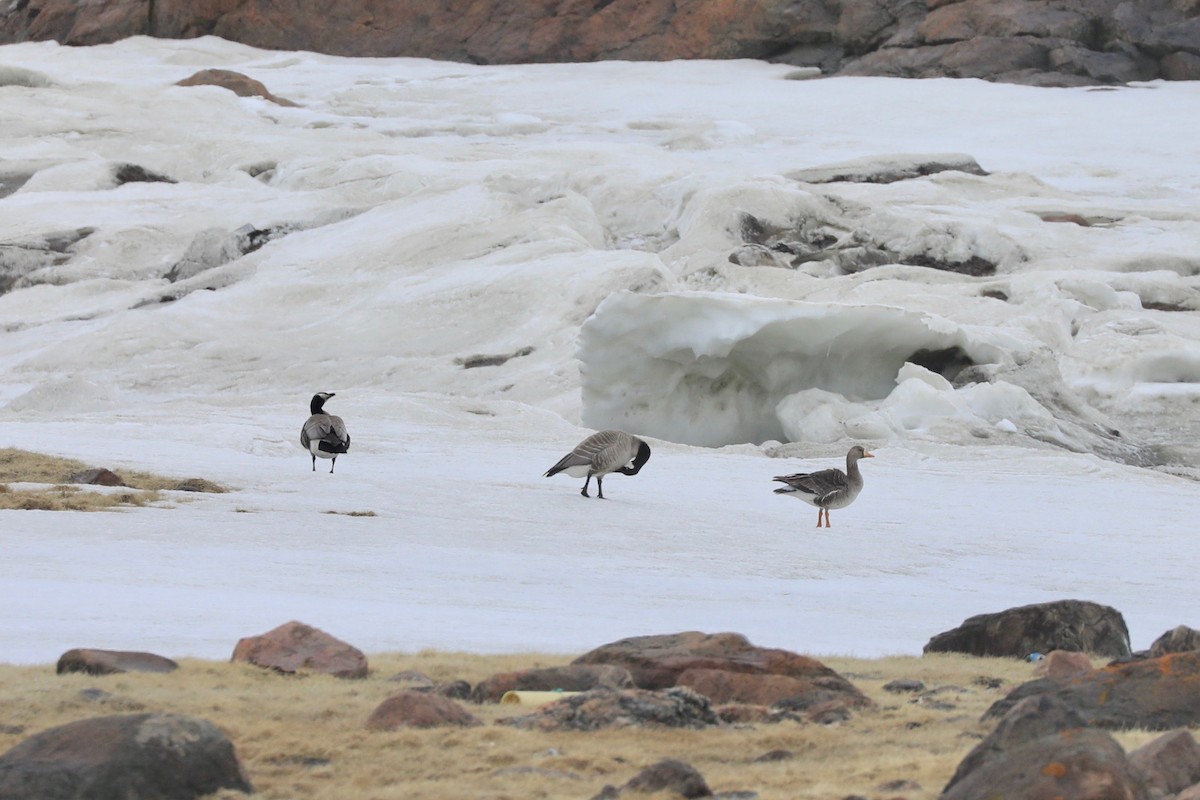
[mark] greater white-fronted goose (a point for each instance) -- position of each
(324, 435)
(829, 488)
(600, 454)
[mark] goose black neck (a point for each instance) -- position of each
(317, 405)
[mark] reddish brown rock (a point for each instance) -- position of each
(98, 477)
(1156, 694)
(420, 710)
(823, 692)
(136, 757)
(726, 668)
(296, 647)
(1169, 764)
(1062, 663)
(236, 82)
(571, 678)
(108, 662)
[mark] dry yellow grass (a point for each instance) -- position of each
(304, 737)
(23, 466)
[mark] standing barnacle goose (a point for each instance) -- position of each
(600, 454)
(829, 488)
(324, 434)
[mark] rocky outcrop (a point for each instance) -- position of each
(623, 708)
(1169, 764)
(1075, 625)
(1156, 694)
(111, 662)
(726, 668)
(420, 710)
(134, 757)
(1047, 42)
(296, 647)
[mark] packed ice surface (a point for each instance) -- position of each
(488, 262)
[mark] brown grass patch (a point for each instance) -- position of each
(304, 736)
(23, 466)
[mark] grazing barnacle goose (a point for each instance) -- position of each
(324, 435)
(600, 454)
(829, 488)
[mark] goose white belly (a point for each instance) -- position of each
(578, 471)
(314, 447)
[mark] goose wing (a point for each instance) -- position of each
(603, 452)
(324, 428)
(819, 484)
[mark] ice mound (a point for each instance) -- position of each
(716, 369)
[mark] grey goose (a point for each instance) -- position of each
(829, 488)
(600, 454)
(324, 435)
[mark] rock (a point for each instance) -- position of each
(97, 477)
(902, 685)
(1029, 720)
(1169, 764)
(620, 708)
(420, 710)
(1042, 42)
(108, 662)
(456, 690)
(722, 686)
(1156, 694)
(1061, 663)
(133, 173)
(887, 169)
(236, 82)
(1177, 640)
(669, 775)
(1061, 625)
(571, 678)
(1192, 793)
(1080, 764)
(294, 646)
(414, 679)
(133, 757)
(656, 662)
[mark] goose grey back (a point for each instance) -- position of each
(324, 435)
(600, 454)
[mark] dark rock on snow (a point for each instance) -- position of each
(1075, 625)
(296, 647)
(109, 662)
(133, 757)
